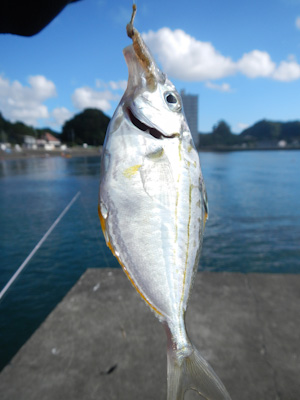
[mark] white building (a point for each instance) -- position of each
(190, 106)
(30, 142)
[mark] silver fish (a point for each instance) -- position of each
(153, 208)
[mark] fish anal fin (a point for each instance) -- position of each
(103, 227)
(138, 290)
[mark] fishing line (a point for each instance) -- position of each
(29, 257)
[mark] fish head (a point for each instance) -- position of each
(151, 101)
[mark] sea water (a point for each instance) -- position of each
(253, 226)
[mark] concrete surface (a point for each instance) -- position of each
(102, 342)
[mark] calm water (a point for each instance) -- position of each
(254, 226)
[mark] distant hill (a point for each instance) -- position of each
(273, 131)
(262, 134)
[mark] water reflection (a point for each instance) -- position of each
(50, 167)
(254, 220)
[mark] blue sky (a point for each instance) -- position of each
(241, 58)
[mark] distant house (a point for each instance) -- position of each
(51, 142)
(48, 142)
(41, 143)
(30, 142)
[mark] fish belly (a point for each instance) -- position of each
(151, 212)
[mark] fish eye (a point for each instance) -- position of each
(173, 101)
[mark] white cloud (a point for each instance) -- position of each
(119, 85)
(256, 64)
(61, 115)
(86, 97)
(24, 103)
(224, 87)
(42, 87)
(28, 115)
(113, 85)
(186, 58)
(287, 71)
(298, 22)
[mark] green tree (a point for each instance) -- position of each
(221, 129)
(222, 136)
(87, 127)
(18, 130)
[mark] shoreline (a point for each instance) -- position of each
(69, 153)
(234, 149)
(96, 151)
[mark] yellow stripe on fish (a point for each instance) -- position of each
(131, 171)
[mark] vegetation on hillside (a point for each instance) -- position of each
(273, 131)
(88, 127)
(14, 132)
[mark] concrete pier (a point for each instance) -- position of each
(102, 342)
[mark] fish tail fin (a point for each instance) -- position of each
(192, 372)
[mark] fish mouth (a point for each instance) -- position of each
(146, 128)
